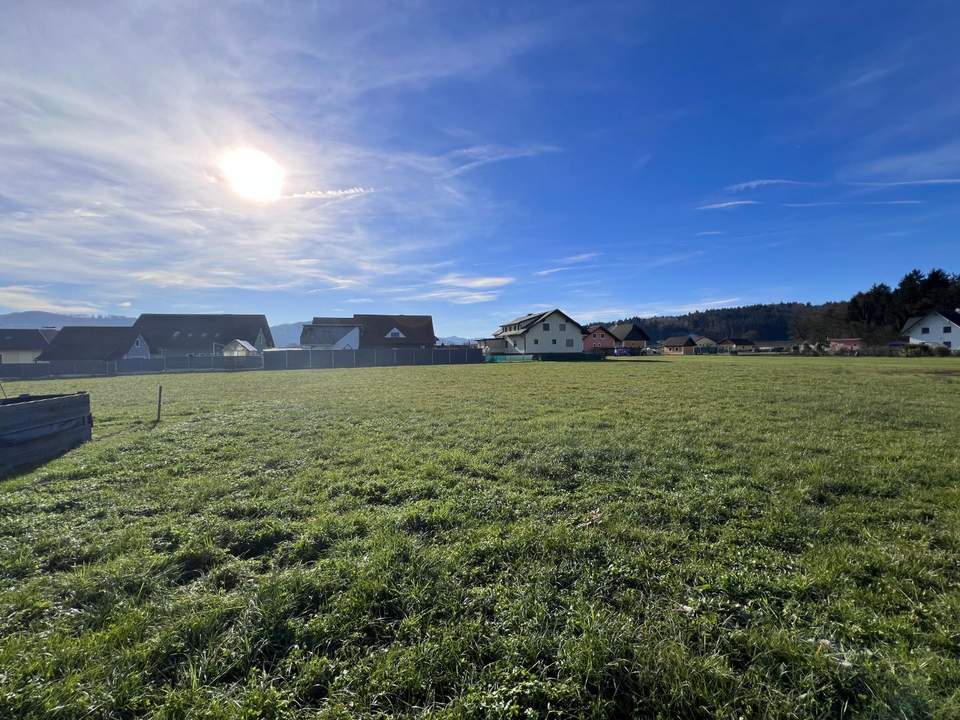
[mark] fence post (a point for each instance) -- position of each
(354, 358)
(310, 357)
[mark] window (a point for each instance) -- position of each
(554, 341)
(946, 343)
(947, 329)
(924, 331)
(536, 341)
(136, 342)
(394, 333)
(563, 327)
(546, 326)
(569, 342)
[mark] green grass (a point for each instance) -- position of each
(695, 537)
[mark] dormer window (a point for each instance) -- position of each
(395, 333)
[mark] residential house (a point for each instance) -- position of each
(937, 327)
(597, 339)
(179, 335)
(703, 341)
(678, 345)
(369, 332)
(24, 346)
(103, 343)
(736, 345)
(541, 333)
(331, 334)
(630, 335)
(239, 348)
(844, 344)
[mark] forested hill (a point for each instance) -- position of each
(876, 315)
(769, 322)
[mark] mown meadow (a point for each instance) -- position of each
(694, 537)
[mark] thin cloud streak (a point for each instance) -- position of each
(729, 204)
(755, 184)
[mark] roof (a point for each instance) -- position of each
(417, 330)
(20, 339)
(677, 340)
(325, 334)
(598, 328)
(530, 319)
(98, 342)
(735, 341)
(628, 331)
(949, 315)
(199, 334)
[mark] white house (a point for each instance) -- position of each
(937, 327)
(540, 333)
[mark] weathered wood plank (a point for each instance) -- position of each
(34, 413)
(36, 452)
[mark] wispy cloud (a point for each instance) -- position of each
(580, 258)
(468, 159)
(729, 204)
(707, 233)
(756, 184)
(551, 271)
(332, 194)
(673, 259)
(112, 173)
(458, 297)
(463, 281)
(26, 297)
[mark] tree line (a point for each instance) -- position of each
(876, 315)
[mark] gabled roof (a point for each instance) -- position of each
(325, 334)
(735, 341)
(200, 334)
(99, 342)
(19, 339)
(628, 331)
(949, 315)
(678, 340)
(598, 328)
(530, 319)
(417, 330)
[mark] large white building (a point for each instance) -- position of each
(540, 333)
(937, 327)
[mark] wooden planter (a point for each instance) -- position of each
(37, 428)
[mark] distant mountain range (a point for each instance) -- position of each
(37, 319)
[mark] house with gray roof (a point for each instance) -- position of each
(368, 331)
(171, 335)
(95, 342)
(937, 327)
(23, 346)
(539, 333)
(629, 335)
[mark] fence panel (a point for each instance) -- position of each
(291, 359)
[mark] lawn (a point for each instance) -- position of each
(690, 537)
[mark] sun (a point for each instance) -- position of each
(252, 174)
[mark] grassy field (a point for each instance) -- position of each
(692, 537)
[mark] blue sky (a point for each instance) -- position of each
(474, 161)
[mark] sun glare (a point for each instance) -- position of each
(252, 174)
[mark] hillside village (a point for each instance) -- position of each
(538, 335)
